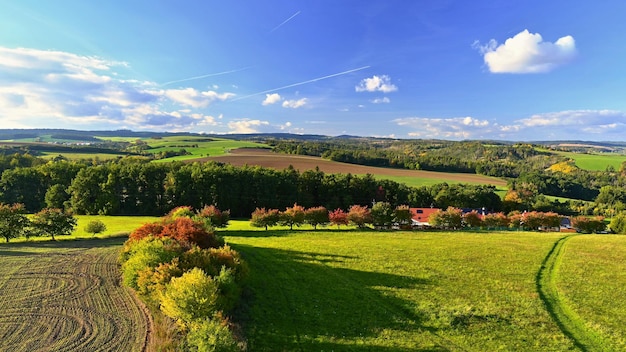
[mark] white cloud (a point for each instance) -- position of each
(194, 98)
(247, 126)
(527, 53)
(294, 104)
(376, 84)
(55, 89)
(271, 99)
(607, 125)
(383, 100)
(453, 128)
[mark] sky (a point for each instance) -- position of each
(411, 69)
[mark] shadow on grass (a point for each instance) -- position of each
(35, 247)
(300, 301)
(285, 232)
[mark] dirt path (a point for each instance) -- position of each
(266, 158)
(67, 296)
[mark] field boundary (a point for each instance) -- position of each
(568, 321)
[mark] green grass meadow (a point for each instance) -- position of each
(198, 146)
(349, 290)
(595, 162)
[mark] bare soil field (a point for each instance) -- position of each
(67, 296)
(266, 158)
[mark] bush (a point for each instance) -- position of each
(183, 229)
(589, 225)
(214, 217)
(618, 224)
(95, 227)
(211, 335)
(191, 297)
(359, 216)
(147, 253)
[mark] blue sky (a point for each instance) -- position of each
(482, 69)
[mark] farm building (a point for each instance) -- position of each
(420, 216)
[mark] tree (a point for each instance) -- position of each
(316, 216)
(53, 222)
(56, 196)
(265, 218)
(359, 215)
(472, 219)
(402, 215)
(382, 214)
(450, 218)
(13, 221)
(292, 216)
(494, 220)
(589, 225)
(618, 223)
(338, 217)
(213, 216)
(95, 227)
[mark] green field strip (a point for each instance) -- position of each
(568, 321)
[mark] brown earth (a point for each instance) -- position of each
(269, 159)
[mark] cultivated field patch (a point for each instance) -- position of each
(67, 296)
(266, 158)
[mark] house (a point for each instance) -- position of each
(420, 216)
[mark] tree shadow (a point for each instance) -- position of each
(33, 247)
(306, 301)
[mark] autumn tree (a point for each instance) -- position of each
(359, 215)
(338, 217)
(214, 216)
(494, 220)
(262, 217)
(292, 216)
(316, 216)
(589, 225)
(13, 221)
(450, 218)
(472, 219)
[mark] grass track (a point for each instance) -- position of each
(567, 319)
(66, 296)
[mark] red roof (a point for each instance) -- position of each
(422, 214)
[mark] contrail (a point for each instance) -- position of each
(204, 76)
(305, 82)
(285, 21)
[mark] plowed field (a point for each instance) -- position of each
(266, 158)
(67, 296)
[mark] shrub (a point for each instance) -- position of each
(191, 297)
(450, 218)
(147, 253)
(184, 211)
(213, 260)
(95, 227)
(183, 229)
(496, 220)
(472, 219)
(211, 335)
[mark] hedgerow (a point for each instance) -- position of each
(181, 268)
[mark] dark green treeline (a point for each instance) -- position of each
(132, 186)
